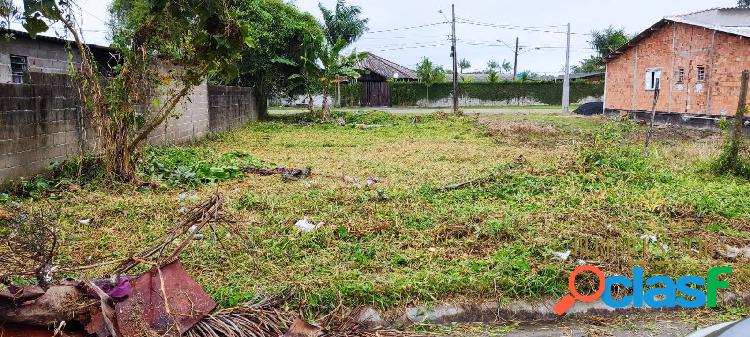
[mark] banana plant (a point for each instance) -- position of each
(326, 68)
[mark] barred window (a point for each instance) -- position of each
(18, 67)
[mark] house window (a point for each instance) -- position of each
(18, 66)
(681, 75)
(653, 76)
(701, 73)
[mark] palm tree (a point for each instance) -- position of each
(507, 66)
(464, 64)
(343, 23)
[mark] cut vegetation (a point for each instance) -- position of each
(384, 229)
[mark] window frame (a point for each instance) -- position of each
(17, 74)
(652, 80)
(701, 73)
(680, 75)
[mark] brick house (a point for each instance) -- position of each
(696, 60)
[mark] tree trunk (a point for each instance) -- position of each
(261, 103)
(428, 95)
(310, 104)
(326, 108)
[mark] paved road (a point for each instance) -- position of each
(644, 329)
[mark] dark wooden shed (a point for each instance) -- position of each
(375, 88)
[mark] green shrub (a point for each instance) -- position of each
(191, 166)
(409, 93)
(728, 163)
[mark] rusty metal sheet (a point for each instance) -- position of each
(18, 295)
(145, 308)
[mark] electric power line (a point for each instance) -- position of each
(513, 27)
(406, 28)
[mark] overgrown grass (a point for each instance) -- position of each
(404, 241)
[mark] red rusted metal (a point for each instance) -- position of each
(186, 301)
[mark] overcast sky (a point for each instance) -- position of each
(537, 23)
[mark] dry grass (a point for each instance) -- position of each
(399, 242)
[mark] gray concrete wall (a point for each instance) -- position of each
(41, 123)
(230, 107)
(42, 56)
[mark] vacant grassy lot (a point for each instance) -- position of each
(550, 184)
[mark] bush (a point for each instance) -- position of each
(607, 151)
(728, 163)
(409, 93)
(178, 166)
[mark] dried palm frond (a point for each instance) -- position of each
(263, 319)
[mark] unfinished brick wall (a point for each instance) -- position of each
(42, 123)
(675, 46)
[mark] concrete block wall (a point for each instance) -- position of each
(42, 57)
(230, 107)
(41, 124)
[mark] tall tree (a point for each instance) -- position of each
(167, 48)
(343, 22)
(743, 3)
(464, 64)
(9, 13)
(506, 66)
(604, 43)
(430, 74)
(281, 31)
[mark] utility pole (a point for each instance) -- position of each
(515, 61)
(566, 81)
(455, 61)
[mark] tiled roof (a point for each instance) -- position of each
(734, 21)
(386, 68)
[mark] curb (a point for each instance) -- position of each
(517, 311)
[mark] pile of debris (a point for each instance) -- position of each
(163, 301)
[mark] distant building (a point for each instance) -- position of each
(695, 59)
(21, 56)
(378, 71)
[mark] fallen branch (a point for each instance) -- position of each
(286, 173)
(195, 220)
(492, 177)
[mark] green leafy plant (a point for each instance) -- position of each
(430, 74)
(180, 166)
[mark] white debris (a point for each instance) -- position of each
(182, 210)
(562, 255)
(306, 226)
(182, 195)
(84, 221)
(199, 236)
(353, 181)
(650, 237)
(581, 262)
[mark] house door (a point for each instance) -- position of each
(376, 94)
